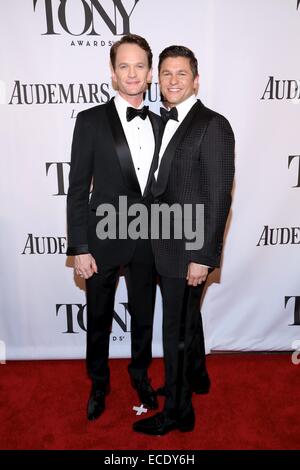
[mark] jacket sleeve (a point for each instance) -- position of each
(217, 158)
(80, 177)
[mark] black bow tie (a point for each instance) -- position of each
(166, 115)
(131, 113)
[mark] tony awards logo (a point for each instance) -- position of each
(75, 316)
(86, 16)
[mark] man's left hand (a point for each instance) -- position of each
(197, 273)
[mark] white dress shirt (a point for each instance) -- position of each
(140, 139)
(172, 126)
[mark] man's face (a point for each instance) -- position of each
(131, 72)
(176, 80)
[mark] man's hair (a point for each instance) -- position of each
(131, 39)
(179, 51)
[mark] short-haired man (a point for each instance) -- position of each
(113, 148)
(196, 166)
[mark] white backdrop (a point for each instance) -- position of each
(54, 63)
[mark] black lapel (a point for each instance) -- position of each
(167, 158)
(122, 148)
(155, 122)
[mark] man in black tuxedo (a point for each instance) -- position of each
(113, 149)
(196, 166)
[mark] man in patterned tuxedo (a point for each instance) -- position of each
(196, 166)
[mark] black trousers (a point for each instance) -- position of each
(140, 276)
(183, 342)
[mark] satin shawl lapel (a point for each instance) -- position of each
(167, 158)
(122, 148)
(156, 131)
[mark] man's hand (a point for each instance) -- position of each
(197, 273)
(85, 265)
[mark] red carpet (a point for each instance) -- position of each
(254, 403)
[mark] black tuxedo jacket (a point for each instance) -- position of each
(101, 157)
(197, 168)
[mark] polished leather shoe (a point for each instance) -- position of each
(200, 385)
(161, 423)
(156, 425)
(146, 393)
(96, 402)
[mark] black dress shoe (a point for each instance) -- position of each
(162, 423)
(156, 425)
(146, 393)
(200, 385)
(96, 403)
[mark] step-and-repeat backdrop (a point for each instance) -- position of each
(55, 62)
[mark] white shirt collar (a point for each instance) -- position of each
(184, 107)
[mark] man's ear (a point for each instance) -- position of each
(113, 78)
(113, 75)
(196, 84)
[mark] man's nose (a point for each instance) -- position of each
(173, 79)
(132, 72)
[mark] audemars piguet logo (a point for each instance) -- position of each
(44, 245)
(86, 16)
(271, 236)
(67, 93)
(277, 89)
